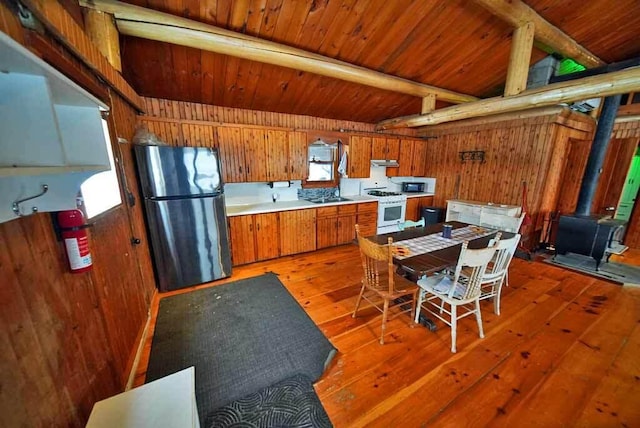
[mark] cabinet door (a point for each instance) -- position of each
(243, 248)
(368, 223)
(346, 229)
(419, 158)
(379, 148)
(326, 232)
(277, 147)
(266, 231)
(297, 155)
(198, 135)
(404, 159)
(393, 148)
(367, 208)
(426, 201)
(359, 157)
(413, 209)
(255, 154)
(297, 231)
(231, 154)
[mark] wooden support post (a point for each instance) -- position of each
(428, 103)
(517, 13)
(617, 82)
(101, 29)
(521, 46)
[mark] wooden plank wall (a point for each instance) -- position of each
(531, 150)
(185, 111)
(67, 339)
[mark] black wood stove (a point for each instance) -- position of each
(588, 235)
(581, 232)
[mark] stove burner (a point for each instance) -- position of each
(381, 193)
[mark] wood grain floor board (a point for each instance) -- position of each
(563, 352)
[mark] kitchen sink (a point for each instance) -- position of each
(329, 200)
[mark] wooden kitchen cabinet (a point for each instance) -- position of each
(297, 231)
(232, 154)
(359, 158)
(326, 225)
(297, 155)
(405, 160)
(243, 245)
(415, 205)
(367, 218)
(198, 135)
(419, 158)
(254, 237)
(385, 148)
(277, 155)
(243, 154)
(336, 225)
(255, 154)
(266, 229)
(346, 230)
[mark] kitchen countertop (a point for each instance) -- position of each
(418, 195)
(268, 207)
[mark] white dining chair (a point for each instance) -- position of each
(456, 290)
(497, 270)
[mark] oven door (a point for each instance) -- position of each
(391, 213)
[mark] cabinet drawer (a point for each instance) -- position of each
(347, 209)
(368, 208)
(367, 224)
(328, 211)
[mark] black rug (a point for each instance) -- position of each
(292, 403)
(241, 337)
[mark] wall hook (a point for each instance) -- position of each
(16, 205)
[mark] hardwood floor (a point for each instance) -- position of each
(564, 352)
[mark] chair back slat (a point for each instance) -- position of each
(377, 263)
(477, 261)
(505, 249)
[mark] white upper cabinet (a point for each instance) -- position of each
(50, 134)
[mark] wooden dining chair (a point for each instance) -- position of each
(456, 290)
(381, 286)
(497, 271)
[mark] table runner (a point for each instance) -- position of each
(435, 241)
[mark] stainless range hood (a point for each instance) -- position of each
(385, 162)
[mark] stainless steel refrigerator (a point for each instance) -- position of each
(186, 218)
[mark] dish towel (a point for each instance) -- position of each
(342, 166)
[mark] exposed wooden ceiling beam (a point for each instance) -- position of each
(517, 13)
(150, 24)
(518, 71)
(617, 82)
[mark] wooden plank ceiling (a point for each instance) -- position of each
(453, 44)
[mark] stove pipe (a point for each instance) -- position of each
(597, 153)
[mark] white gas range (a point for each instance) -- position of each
(392, 207)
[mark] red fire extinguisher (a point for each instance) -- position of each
(76, 241)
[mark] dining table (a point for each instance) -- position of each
(424, 250)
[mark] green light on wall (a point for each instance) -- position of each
(568, 66)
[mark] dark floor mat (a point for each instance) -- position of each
(241, 337)
(292, 403)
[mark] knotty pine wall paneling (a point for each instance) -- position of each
(67, 339)
(179, 110)
(516, 151)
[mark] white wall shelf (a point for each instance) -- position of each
(50, 133)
